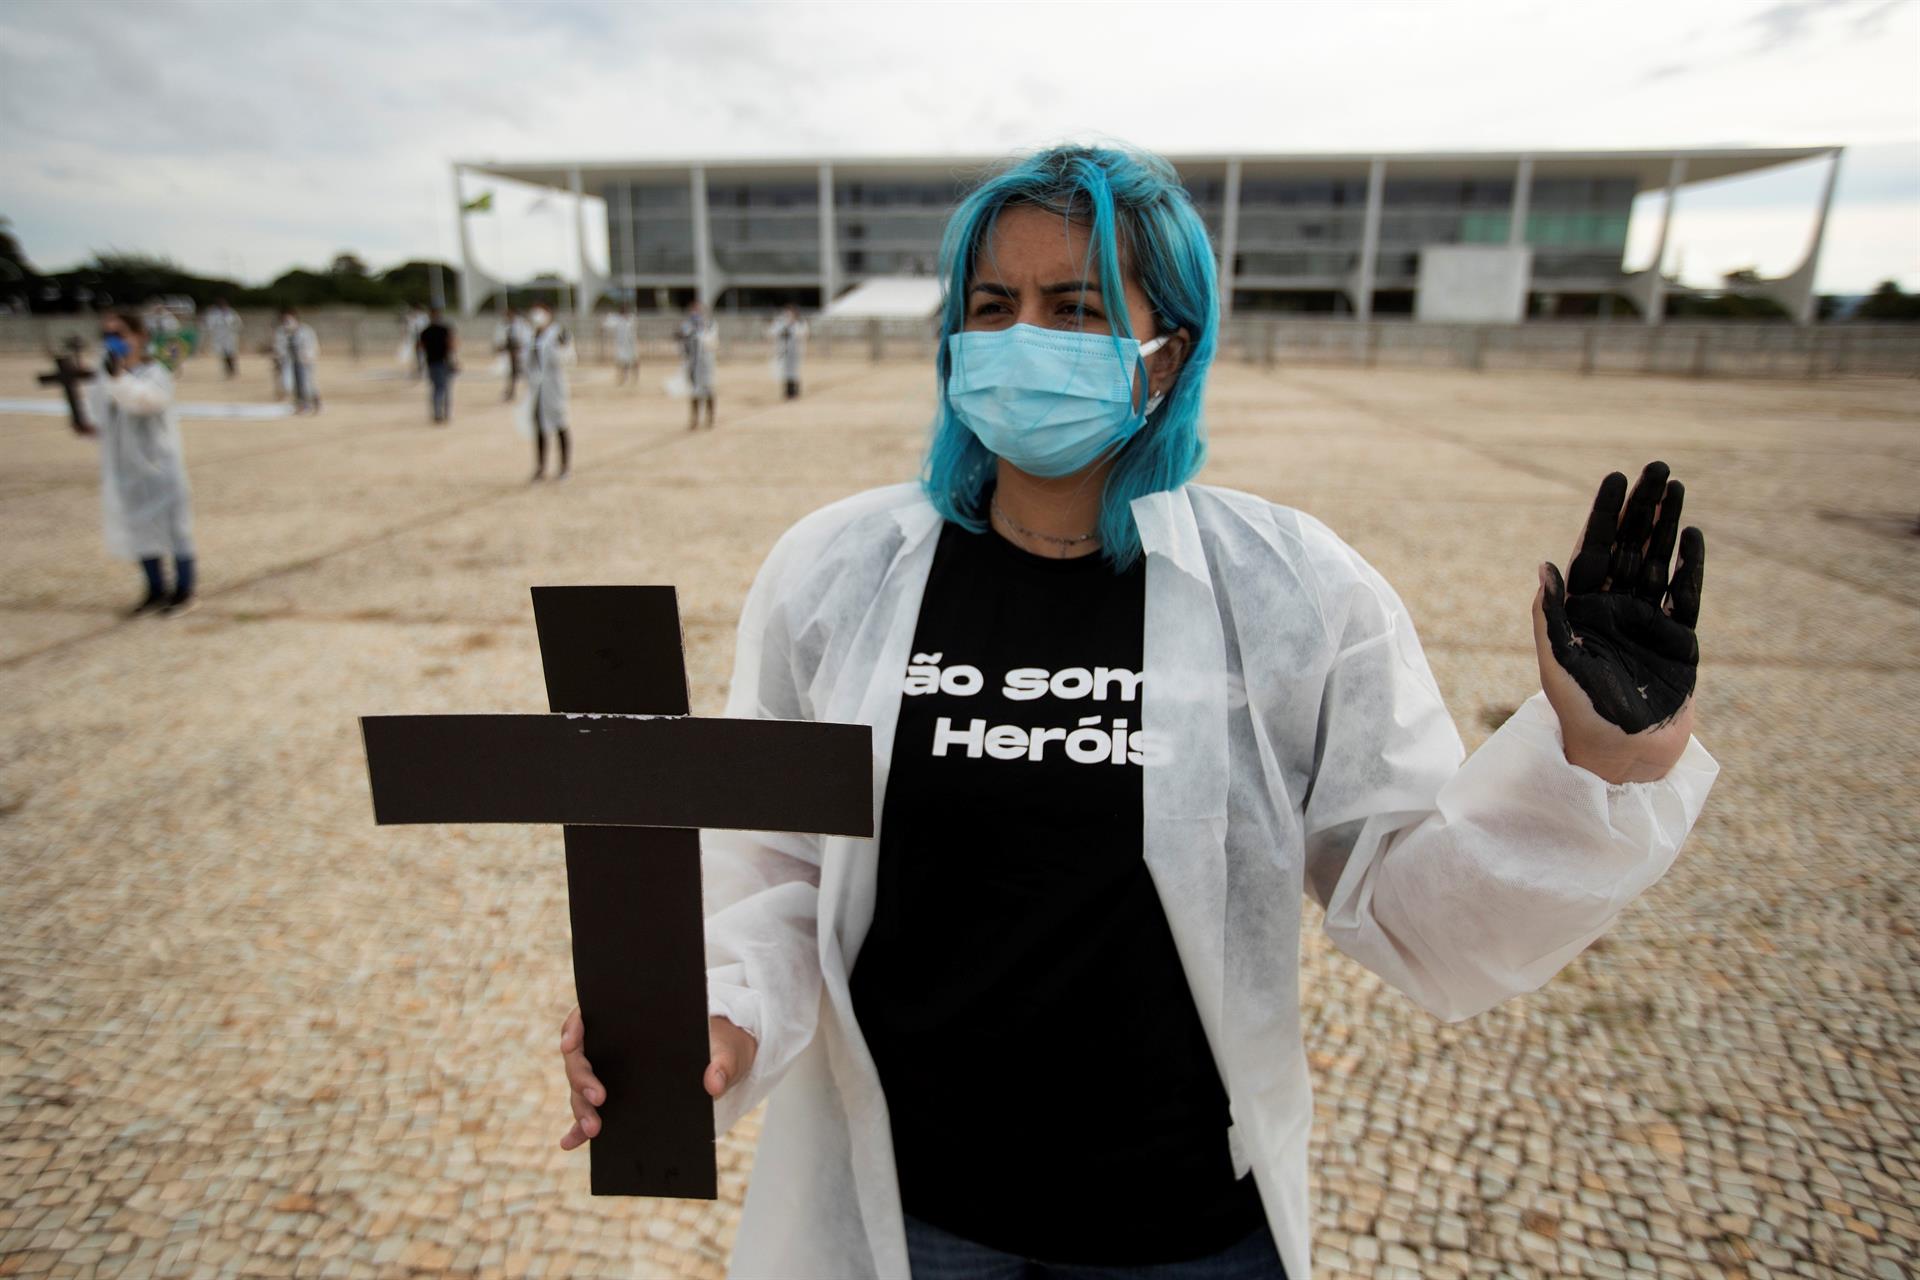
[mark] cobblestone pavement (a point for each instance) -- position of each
(243, 1031)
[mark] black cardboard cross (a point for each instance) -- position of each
(68, 373)
(632, 776)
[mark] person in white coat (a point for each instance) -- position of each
(1048, 1020)
(223, 334)
(415, 321)
(146, 507)
(699, 350)
(789, 335)
(511, 339)
(296, 350)
(622, 330)
(543, 411)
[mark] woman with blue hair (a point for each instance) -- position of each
(1047, 1022)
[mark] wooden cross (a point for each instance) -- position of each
(632, 776)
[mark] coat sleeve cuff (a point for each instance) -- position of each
(737, 1004)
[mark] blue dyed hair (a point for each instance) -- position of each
(1137, 212)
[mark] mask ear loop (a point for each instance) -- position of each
(1147, 407)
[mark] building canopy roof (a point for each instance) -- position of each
(1649, 169)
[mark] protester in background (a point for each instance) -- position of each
(699, 342)
(297, 349)
(512, 340)
(145, 505)
(623, 329)
(163, 331)
(416, 322)
(438, 345)
(789, 334)
(223, 334)
(544, 412)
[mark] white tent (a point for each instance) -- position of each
(888, 297)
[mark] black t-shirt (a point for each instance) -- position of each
(1050, 1086)
(435, 340)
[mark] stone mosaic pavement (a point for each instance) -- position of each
(243, 1032)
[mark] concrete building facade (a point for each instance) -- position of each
(1304, 233)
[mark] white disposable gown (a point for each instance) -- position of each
(699, 347)
(146, 508)
(544, 407)
(789, 347)
(515, 337)
(298, 349)
(223, 331)
(1305, 748)
(624, 332)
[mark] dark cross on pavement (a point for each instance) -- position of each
(633, 777)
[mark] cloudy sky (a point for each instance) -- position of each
(243, 138)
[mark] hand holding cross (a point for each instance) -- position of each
(731, 1053)
(633, 776)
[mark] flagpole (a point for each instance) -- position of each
(467, 305)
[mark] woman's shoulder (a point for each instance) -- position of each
(871, 509)
(1244, 521)
(842, 552)
(1306, 561)
(869, 522)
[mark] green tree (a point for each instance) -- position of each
(413, 281)
(1890, 302)
(13, 259)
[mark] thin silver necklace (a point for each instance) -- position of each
(1062, 542)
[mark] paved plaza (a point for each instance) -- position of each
(243, 1031)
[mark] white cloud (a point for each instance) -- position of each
(250, 137)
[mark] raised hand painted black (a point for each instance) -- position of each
(1618, 625)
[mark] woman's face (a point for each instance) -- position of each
(136, 342)
(1035, 270)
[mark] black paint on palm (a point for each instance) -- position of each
(1617, 625)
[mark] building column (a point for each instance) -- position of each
(705, 287)
(469, 284)
(1522, 202)
(1370, 240)
(1229, 236)
(1656, 296)
(584, 292)
(829, 241)
(1805, 303)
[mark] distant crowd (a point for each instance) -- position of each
(125, 399)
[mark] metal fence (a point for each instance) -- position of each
(1678, 348)
(363, 335)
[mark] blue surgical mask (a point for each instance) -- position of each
(116, 346)
(1049, 401)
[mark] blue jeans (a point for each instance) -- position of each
(935, 1254)
(440, 374)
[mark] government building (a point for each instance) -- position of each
(1492, 237)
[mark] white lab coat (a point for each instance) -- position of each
(789, 346)
(146, 509)
(545, 404)
(626, 342)
(1306, 749)
(515, 337)
(699, 346)
(223, 331)
(297, 348)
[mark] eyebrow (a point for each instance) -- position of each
(1063, 286)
